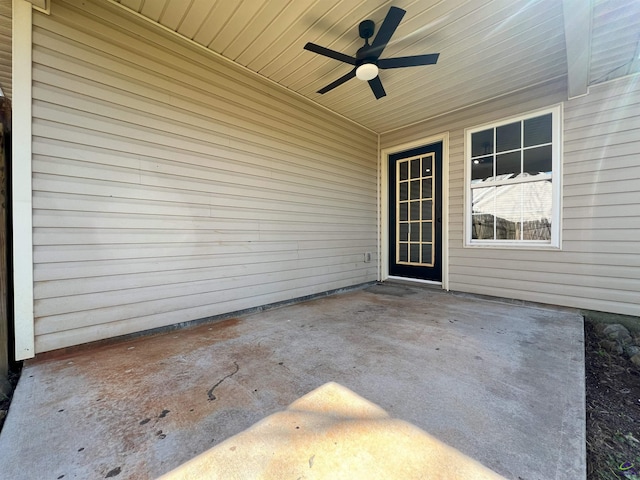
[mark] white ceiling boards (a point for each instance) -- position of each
(487, 49)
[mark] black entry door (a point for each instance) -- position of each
(415, 213)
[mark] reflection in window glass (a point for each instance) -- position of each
(482, 227)
(508, 204)
(510, 180)
(538, 160)
(508, 213)
(520, 211)
(537, 230)
(537, 131)
(537, 210)
(506, 230)
(508, 137)
(482, 143)
(483, 200)
(481, 169)
(403, 252)
(427, 167)
(508, 163)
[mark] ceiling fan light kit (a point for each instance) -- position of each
(367, 71)
(367, 61)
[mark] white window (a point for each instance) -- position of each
(513, 182)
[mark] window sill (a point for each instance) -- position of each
(513, 246)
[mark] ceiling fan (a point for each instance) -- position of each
(367, 61)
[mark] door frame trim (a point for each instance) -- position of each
(383, 254)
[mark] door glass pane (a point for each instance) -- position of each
(404, 191)
(482, 143)
(414, 227)
(538, 160)
(415, 168)
(427, 210)
(404, 232)
(426, 253)
(404, 212)
(415, 253)
(415, 189)
(404, 170)
(403, 252)
(427, 188)
(426, 232)
(481, 169)
(508, 163)
(414, 232)
(415, 210)
(508, 137)
(427, 167)
(537, 130)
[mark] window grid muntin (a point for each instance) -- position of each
(410, 246)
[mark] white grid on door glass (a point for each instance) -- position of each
(414, 211)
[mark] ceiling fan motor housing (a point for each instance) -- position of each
(364, 55)
(366, 28)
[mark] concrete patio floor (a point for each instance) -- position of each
(501, 384)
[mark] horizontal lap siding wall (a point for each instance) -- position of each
(5, 46)
(598, 266)
(170, 186)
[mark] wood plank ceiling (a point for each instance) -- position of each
(487, 48)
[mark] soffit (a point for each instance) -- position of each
(615, 44)
(487, 49)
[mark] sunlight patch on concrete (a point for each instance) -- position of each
(332, 433)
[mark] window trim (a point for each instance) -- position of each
(556, 176)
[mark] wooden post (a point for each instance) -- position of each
(5, 123)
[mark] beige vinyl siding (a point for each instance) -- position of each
(5, 47)
(171, 185)
(598, 266)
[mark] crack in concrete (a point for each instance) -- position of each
(210, 392)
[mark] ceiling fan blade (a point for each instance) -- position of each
(327, 52)
(414, 61)
(338, 82)
(377, 88)
(386, 30)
